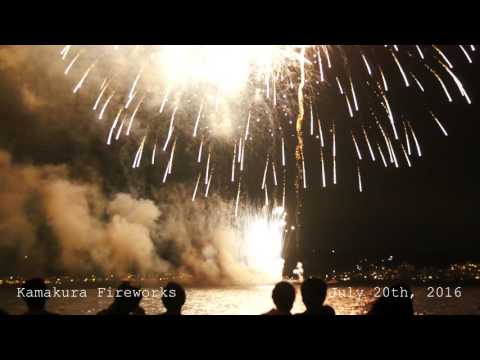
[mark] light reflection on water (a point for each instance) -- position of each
(253, 300)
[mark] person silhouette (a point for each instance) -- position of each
(396, 301)
(127, 302)
(314, 293)
(283, 296)
(36, 304)
(174, 299)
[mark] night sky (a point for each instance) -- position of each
(427, 214)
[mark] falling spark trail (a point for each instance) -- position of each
(386, 141)
(133, 116)
(100, 117)
(367, 65)
(466, 54)
(134, 85)
(82, 80)
(65, 51)
(208, 185)
(324, 182)
(334, 153)
(372, 155)
(104, 83)
(439, 124)
(233, 163)
(420, 52)
(385, 85)
(274, 173)
(445, 90)
(406, 156)
(458, 83)
(172, 153)
(170, 129)
(354, 95)
(311, 120)
(320, 66)
(381, 155)
(114, 125)
(239, 151)
(274, 91)
(405, 79)
(265, 173)
(67, 70)
(417, 144)
(198, 120)
(134, 165)
(360, 187)
(266, 196)
(356, 147)
(243, 156)
(247, 128)
(164, 101)
(141, 154)
(407, 139)
(304, 174)
(196, 187)
(417, 82)
(237, 200)
(443, 56)
(393, 154)
(283, 152)
(120, 129)
(327, 55)
(299, 135)
(207, 168)
(165, 174)
(100, 97)
(129, 100)
(153, 154)
(320, 133)
(138, 156)
(334, 171)
(199, 157)
(349, 107)
(340, 88)
(390, 116)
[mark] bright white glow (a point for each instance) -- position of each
(263, 242)
(213, 64)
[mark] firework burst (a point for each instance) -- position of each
(255, 99)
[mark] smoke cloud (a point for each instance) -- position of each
(69, 205)
(90, 231)
(87, 231)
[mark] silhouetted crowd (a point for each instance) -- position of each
(313, 291)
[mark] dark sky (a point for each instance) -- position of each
(425, 214)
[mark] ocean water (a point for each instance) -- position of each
(253, 300)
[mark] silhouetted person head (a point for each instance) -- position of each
(283, 296)
(127, 301)
(35, 291)
(174, 298)
(396, 300)
(314, 293)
